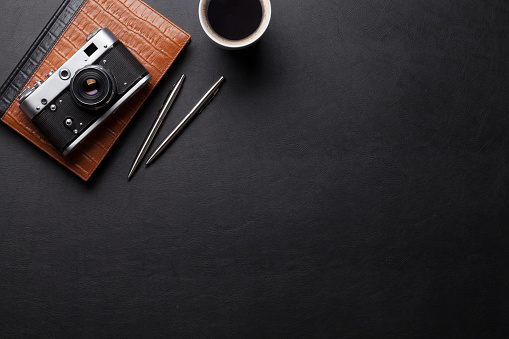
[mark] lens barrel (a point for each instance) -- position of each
(93, 87)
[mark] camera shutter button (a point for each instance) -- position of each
(37, 83)
(94, 32)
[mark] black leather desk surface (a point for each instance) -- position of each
(351, 179)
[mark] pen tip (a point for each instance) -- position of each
(131, 172)
(152, 157)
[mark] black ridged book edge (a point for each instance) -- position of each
(37, 52)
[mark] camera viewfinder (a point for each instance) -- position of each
(90, 49)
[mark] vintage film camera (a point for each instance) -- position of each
(84, 91)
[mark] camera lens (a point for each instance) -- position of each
(93, 87)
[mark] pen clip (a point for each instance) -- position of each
(167, 97)
(209, 100)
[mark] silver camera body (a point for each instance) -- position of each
(90, 86)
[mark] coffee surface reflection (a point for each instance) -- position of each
(235, 19)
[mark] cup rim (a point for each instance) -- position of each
(223, 44)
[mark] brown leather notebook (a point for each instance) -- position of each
(154, 41)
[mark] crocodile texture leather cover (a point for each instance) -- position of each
(152, 38)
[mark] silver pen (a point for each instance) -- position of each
(211, 93)
(157, 123)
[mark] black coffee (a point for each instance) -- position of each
(235, 19)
